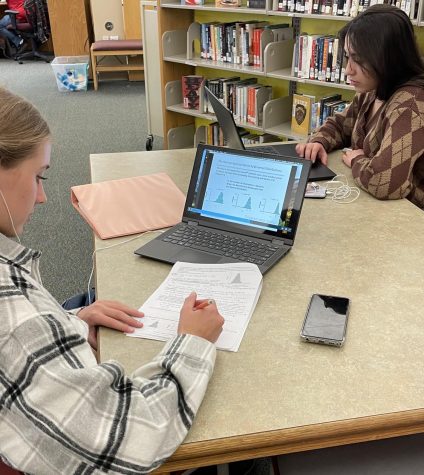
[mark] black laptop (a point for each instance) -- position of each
(241, 206)
(224, 116)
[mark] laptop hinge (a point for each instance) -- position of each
(282, 242)
(192, 223)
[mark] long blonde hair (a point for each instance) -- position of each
(22, 129)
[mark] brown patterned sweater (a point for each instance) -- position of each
(392, 166)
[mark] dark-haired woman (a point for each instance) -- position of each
(384, 125)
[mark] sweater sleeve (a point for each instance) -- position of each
(64, 413)
(336, 132)
(388, 174)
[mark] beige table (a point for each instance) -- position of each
(278, 394)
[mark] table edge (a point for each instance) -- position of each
(296, 439)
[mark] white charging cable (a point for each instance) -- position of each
(340, 190)
(109, 247)
(10, 217)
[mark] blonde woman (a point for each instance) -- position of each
(61, 411)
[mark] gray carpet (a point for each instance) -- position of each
(112, 119)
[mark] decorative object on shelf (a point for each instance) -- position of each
(228, 3)
(192, 2)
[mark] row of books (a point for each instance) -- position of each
(244, 98)
(240, 42)
(310, 112)
(259, 4)
(320, 58)
(349, 8)
(214, 135)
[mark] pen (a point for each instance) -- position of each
(204, 304)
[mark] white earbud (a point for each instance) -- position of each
(10, 216)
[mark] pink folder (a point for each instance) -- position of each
(129, 206)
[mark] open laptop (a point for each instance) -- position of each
(224, 116)
(241, 206)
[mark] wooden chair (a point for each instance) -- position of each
(121, 49)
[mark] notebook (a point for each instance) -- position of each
(225, 119)
(130, 205)
(241, 206)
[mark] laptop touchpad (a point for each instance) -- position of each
(197, 257)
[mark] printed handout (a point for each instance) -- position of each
(234, 287)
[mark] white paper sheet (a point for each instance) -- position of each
(234, 287)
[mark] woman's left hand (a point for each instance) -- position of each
(111, 314)
(349, 155)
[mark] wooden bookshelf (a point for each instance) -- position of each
(174, 21)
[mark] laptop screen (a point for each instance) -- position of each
(247, 190)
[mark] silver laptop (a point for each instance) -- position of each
(241, 206)
(232, 137)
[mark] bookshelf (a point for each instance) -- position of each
(175, 23)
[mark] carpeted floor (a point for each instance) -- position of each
(112, 119)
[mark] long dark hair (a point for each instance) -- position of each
(383, 40)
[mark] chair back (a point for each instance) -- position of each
(37, 16)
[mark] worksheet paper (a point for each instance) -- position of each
(234, 287)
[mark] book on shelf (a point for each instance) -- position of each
(301, 114)
(214, 134)
(192, 91)
(241, 42)
(322, 103)
(258, 96)
(318, 57)
(257, 4)
(239, 108)
(310, 112)
(192, 2)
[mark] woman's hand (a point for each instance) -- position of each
(110, 314)
(312, 151)
(206, 322)
(349, 155)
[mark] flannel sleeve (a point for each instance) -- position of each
(61, 412)
(388, 175)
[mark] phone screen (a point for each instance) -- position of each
(326, 317)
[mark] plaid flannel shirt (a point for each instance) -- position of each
(60, 411)
(392, 165)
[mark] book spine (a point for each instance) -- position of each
(329, 60)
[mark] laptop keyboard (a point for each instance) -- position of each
(244, 250)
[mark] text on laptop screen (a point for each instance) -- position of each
(244, 190)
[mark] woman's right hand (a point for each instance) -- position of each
(312, 151)
(206, 322)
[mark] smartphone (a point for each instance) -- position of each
(326, 320)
